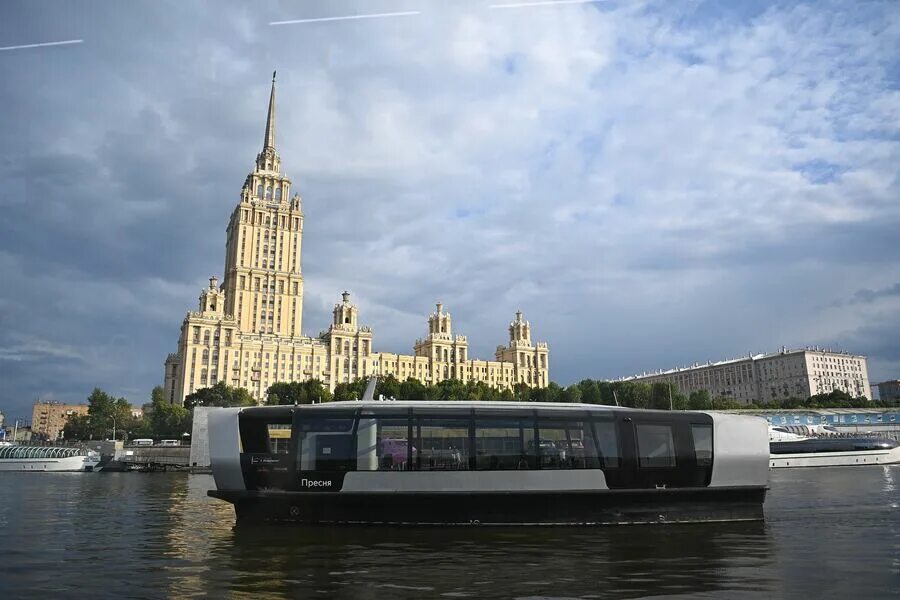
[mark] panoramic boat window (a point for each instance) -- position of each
(608, 444)
(265, 435)
(702, 444)
(567, 445)
(325, 444)
(443, 444)
(279, 438)
(504, 444)
(656, 446)
(383, 444)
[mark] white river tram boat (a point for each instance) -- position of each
(486, 463)
(822, 446)
(40, 459)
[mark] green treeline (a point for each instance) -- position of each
(163, 420)
(661, 396)
(106, 415)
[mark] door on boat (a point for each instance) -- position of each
(325, 450)
(663, 451)
(266, 458)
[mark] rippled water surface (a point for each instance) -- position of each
(832, 532)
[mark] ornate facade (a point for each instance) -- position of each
(247, 331)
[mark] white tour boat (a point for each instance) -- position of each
(39, 459)
(821, 446)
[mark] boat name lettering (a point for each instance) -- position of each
(311, 483)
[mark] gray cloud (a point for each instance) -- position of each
(652, 183)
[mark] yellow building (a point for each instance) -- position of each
(247, 331)
(49, 418)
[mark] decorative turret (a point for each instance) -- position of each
(212, 299)
(520, 331)
(440, 324)
(345, 315)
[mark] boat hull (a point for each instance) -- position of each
(835, 459)
(594, 507)
(45, 465)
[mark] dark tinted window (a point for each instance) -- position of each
(504, 444)
(442, 444)
(656, 446)
(325, 444)
(383, 444)
(608, 444)
(567, 445)
(702, 444)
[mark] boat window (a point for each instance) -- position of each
(656, 446)
(325, 444)
(382, 444)
(265, 436)
(443, 444)
(608, 444)
(567, 445)
(702, 444)
(504, 444)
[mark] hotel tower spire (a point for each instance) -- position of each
(269, 142)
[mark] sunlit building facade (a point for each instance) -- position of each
(49, 418)
(771, 377)
(247, 330)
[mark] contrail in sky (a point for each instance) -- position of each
(543, 3)
(347, 18)
(41, 45)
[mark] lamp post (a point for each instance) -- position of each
(113, 417)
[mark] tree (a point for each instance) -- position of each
(158, 395)
(572, 394)
(78, 427)
(221, 394)
(412, 389)
(105, 414)
(388, 387)
(661, 395)
(590, 393)
(700, 400)
(311, 391)
(169, 420)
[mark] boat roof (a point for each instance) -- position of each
(449, 406)
(40, 452)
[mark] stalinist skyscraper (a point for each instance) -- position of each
(248, 331)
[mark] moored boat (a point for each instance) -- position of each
(463, 463)
(825, 448)
(39, 459)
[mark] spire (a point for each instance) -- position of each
(269, 142)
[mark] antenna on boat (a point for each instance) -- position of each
(369, 394)
(616, 398)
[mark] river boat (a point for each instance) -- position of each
(486, 463)
(825, 447)
(41, 459)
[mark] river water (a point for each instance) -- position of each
(829, 532)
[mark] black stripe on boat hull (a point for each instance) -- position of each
(500, 508)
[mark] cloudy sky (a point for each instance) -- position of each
(652, 183)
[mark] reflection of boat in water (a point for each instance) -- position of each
(823, 446)
(498, 463)
(39, 459)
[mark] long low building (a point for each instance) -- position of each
(798, 373)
